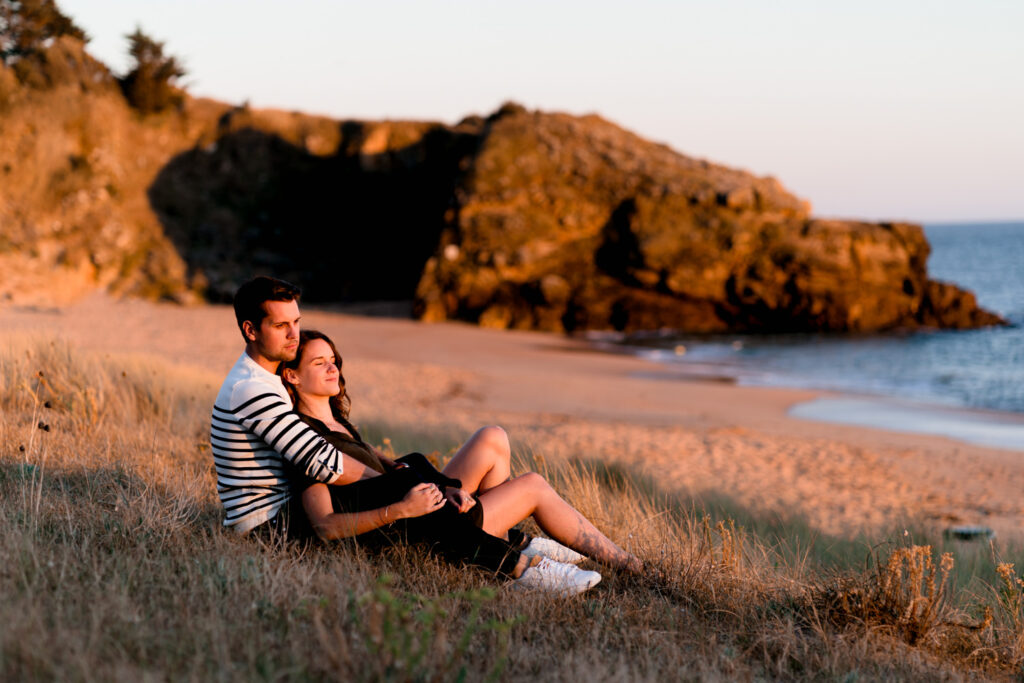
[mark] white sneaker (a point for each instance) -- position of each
(554, 550)
(556, 577)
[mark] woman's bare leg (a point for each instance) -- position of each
(531, 495)
(483, 462)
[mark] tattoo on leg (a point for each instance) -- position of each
(596, 545)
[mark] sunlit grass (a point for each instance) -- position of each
(114, 565)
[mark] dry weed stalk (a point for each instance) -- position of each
(901, 597)
(1010, 606)
(909, 593)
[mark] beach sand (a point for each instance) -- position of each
(558, 397)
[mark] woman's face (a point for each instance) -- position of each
(317, 374)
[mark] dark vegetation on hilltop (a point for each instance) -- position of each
(29, 31)
(29, 28)
(25, 28)
(149, 86)
(523, 219)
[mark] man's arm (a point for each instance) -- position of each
(268, 416)
(387, 462)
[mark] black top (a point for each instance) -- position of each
(350, 444)
(354, 446)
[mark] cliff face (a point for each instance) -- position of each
(187, 204)
(524, 220)
(74, 166)
(573, 223)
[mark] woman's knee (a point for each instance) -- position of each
(496, 438)
(534, 481)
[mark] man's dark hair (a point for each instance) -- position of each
(251, 296)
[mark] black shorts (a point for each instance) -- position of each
(456, 536)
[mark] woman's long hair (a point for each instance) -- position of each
(340, 404)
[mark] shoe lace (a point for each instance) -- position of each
(549, 566)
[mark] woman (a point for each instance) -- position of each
(474, 486)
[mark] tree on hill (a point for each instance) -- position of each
(26, 26)
(150, 85)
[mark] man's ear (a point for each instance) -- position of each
(249, 330)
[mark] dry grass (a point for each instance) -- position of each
(113, 565)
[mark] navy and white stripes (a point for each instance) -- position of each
(252, 429)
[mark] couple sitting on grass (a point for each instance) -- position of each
(290, 463)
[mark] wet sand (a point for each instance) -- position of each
(561, 399)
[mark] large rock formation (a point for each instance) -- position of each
(565, 223)
(75, 162)
(526, 220)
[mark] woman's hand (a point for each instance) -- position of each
(460, 498)
(422, 499)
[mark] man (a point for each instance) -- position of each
(253, 425)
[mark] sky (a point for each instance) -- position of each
(881, 110)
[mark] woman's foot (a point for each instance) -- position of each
(556, 577)
(545, 547)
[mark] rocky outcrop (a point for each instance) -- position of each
(566, 223)
(522, 219)
(74, 165)
(187, 204)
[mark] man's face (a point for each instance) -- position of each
(277, 338)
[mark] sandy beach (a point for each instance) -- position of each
(560, 398)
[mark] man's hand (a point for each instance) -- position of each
(461, 499)
(387, 462)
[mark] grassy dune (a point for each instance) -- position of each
(113, 565)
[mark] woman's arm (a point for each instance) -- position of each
(329, 525)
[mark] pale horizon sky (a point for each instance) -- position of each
(898, 109)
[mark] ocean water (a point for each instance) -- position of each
(926, 376)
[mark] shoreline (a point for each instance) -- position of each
(559, 398)
(989, 428)
(837, 401)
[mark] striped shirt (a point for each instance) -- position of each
(253, 430)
